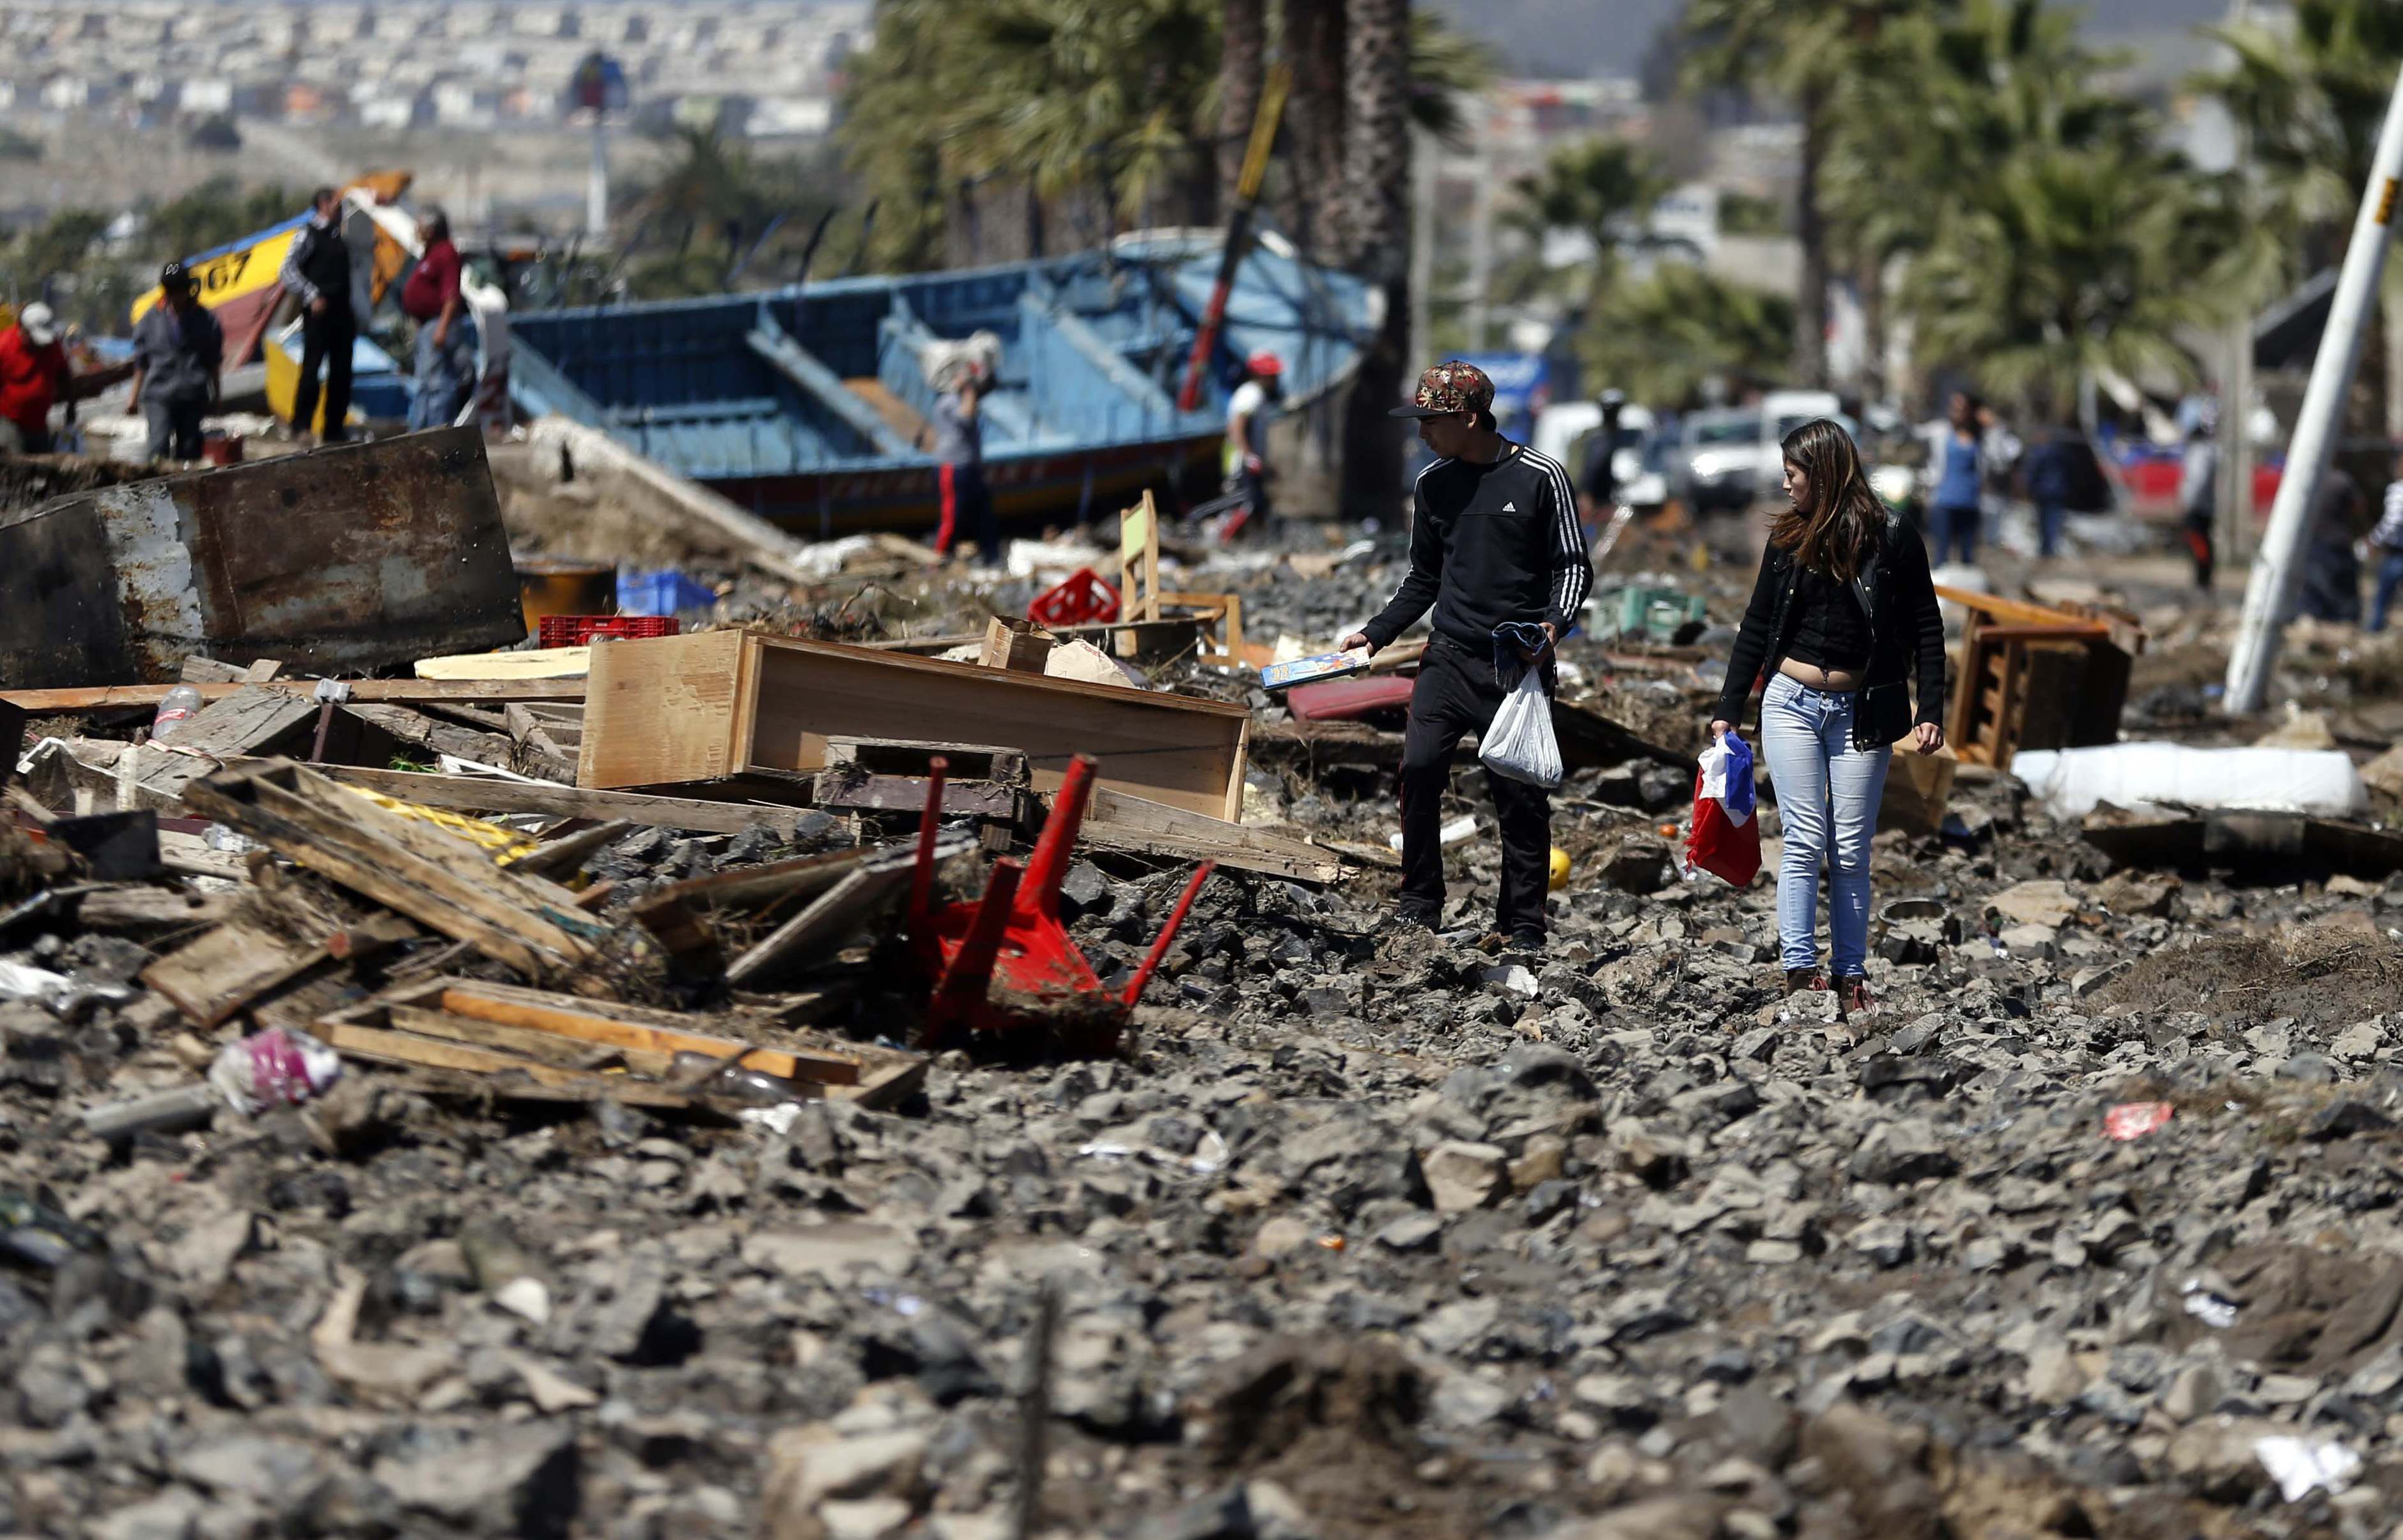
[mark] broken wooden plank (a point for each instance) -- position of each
(853, 789)
(435, 877)
(68, 702)
(377, 1044)
(628, 1028)
(541, 663)
(560, 1041)
(476, 794)
(865, 892)
(912, 756)
(1130, 823)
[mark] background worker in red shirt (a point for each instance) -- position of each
(446, 345)
(34, 377)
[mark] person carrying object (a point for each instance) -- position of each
(178, 349)
(1495, 544)
(1842, 614)
(317, 272)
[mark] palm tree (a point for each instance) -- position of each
(2071, 261)
(1243, 65)
(1599, 188)
(2309, 99)
(1665, 339)
(1314, 47)
(1372, 230)
(1812, 53)
(1986, 78)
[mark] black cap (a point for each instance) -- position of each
(175, 278)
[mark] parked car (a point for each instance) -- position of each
(1716, 466)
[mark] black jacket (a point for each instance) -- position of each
(1490, 543)
(318, 266)
(1905, 630)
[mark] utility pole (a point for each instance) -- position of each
(2278, 570)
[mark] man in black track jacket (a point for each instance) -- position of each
(1494, 540)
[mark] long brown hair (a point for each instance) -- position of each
(1839, 529)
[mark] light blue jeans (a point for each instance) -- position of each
(444, 374)
(1828, 796)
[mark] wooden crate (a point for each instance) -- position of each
(2030, 677)
(722, 706)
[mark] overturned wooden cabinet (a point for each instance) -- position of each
(733, 707)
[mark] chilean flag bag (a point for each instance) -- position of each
(1726, 837)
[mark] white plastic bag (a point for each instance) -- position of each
(1520, 743)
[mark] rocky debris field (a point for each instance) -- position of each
(2089, 1230)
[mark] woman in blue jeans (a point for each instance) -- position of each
(1842, 616)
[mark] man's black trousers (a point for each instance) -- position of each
(1456, 695)
(326, 339)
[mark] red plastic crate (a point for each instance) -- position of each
(574, 631)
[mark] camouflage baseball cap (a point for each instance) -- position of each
(1450, 386)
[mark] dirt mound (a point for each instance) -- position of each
(2335, 971)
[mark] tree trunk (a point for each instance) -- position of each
(1373, 233)
(1315, 44)
(1811, 228)
(1033, 220)
(1873, 331)
(1242, 61)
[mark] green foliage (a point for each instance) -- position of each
(1447, 67)
(220, 210)
(716, 216)
(1113, 102)
(1602, 189)
(1743, 214)
(1660, 339)
(2311, 101)
(2050, 238)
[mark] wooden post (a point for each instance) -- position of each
(1139, 562)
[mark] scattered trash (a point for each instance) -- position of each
(2207, 1305)
(2131, 1120)
(35, 1235)
(1450, 834)
(2302, 1466)
(274, 1068)
(1320, 666)
(1559, 872)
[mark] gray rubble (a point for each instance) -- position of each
(1363, 1234)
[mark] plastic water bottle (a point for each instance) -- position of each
(181, 702)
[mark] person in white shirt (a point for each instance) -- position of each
(1250, 410)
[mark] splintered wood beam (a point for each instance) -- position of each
(398, 692)
(791, 1064)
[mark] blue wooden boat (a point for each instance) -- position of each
(807, 404)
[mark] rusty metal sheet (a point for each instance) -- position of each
(343, 560)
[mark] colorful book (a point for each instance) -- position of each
(1309, 671)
